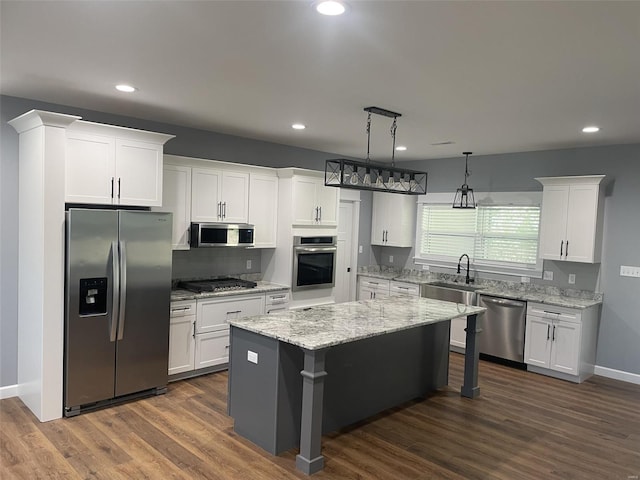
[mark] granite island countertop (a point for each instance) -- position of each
(261, 287)
(531, 293)
(329, 325)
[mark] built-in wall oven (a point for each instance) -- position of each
(314, 262)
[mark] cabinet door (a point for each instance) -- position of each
(400, 219)
(212, 349)
(263, 209)
(565, 352)
(181, 344)
(582, 216)
(365, 293)
(138, 173)
(379, 218)
(176, 198)
(235, 197)
(537, 345)
(458, 337)
(327, 199)
(304, 201)
(205, 195)
(553, 222)
(90, 168)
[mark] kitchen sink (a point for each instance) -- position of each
(450, 292)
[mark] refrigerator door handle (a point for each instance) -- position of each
(115, 291)
(123, 289)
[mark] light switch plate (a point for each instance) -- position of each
(360, 249)
(248, 264)
(425, 267)
(525, 279)
(548, 275)
(390, 258)
(572, 279)
(252, 357)
(627, 271)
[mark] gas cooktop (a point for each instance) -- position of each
(217, 285)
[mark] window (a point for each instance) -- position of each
(498, 238)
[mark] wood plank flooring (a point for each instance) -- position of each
(524, 426)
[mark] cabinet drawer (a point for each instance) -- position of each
(401, 288)
(183, 308)
(214, 315)
(374, 283)
(212, 349)
(278, 298)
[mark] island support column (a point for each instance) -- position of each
(470, 388)
(310, 459)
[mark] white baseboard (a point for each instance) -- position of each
(9, 391)
(617, 374)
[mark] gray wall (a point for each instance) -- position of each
(620, 327)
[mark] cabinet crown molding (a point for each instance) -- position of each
(574, 180)
(38, 118)
(120, 132)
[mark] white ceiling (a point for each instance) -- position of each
(493, 77)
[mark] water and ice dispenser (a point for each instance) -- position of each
(93, 296)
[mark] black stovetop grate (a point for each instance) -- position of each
(217, 284)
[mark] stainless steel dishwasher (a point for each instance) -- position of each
(503, 328)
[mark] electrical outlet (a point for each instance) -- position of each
(252, 357)
(525, 279)
(425, 267)
(248, 264)
(548, 275)
(360, 249)
(572, 279)
(626, 271)
(390, 258)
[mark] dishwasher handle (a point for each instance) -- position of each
(503, 302)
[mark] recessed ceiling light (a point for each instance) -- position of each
(330, 7)
(401, 148)
(298, 126)
(591, 129)
(125, 88)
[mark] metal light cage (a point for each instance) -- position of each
(464, 197)
(375, 177)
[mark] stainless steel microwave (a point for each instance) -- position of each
(221, 235)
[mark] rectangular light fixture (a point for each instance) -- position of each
(376, 177)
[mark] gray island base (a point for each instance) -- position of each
(298, 374)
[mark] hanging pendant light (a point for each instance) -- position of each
(464, 195)
(379, 177)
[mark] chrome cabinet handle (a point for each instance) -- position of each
(561, 245)
(224, 210)
(112, 180)
(194, 329)
(235, 311)
(548, 328)
(180, 309)
(320, 212)
(219, 212)
(119, 188)
(554, 334)
(566, 249)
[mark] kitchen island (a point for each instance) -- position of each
(298, 374)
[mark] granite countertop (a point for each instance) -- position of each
(329, 325)
(262, 287)
(527, 292)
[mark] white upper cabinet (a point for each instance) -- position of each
(313, 203)
(176, 198)
(263, 209)
(219, 196)
(393, 217)
(113, 165)
(571, 218)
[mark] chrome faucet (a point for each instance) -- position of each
(467, 280)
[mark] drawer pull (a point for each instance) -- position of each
(236, 311)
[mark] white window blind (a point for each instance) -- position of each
(497, 235)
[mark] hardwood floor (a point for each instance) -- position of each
(524, 426)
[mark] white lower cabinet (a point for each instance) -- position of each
(370, 288)
(561, 342)
(212, 349)
(182, 333)
(397, 288)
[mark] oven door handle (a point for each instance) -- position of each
(315, 249)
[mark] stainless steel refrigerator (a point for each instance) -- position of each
(117, 296)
